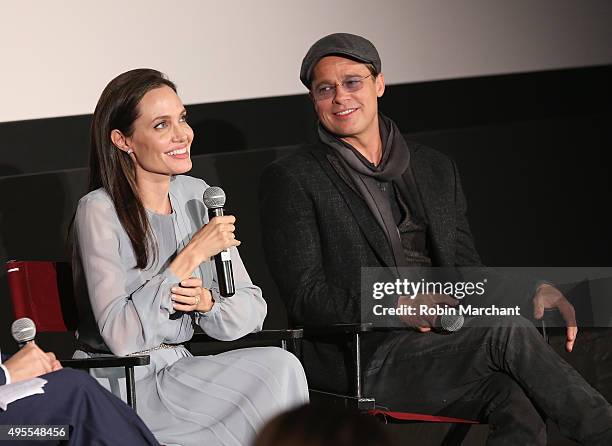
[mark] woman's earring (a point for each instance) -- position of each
(130, 151)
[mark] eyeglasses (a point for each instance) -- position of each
(325, 91)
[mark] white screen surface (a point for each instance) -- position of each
(58, 56)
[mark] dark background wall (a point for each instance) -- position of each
(533, 150)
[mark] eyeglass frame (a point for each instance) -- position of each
(335, 86)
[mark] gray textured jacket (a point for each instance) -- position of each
(318, 233)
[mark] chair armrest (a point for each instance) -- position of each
(552, 318)
(337, 329)
(129, 362)
(106, 361)
(264, 335)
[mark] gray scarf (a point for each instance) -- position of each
(393, 168)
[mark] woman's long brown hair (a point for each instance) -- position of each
(112, 168)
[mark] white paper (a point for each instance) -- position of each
(21, 389)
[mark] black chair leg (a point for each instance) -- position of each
(130, 387)
(456, 434)
(295, 347)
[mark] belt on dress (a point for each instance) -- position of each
(161, 346)
(86, 348)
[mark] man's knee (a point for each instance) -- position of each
(513, 328)
(516, 322)
(64, 376)
(73, 382)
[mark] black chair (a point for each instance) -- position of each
(42, 291)
(357, 400)
(367, 404)
(288, 339)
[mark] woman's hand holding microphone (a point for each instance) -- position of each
(214, 237)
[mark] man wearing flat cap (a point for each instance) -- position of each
(365, 197)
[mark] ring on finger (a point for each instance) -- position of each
(197, 299)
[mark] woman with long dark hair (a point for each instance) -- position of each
(143, 276)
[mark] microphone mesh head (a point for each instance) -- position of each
(214, 197)
(23, 330)
(452, 322)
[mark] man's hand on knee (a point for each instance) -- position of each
(30, 362)
(548, 297)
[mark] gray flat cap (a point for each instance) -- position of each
(340, 44)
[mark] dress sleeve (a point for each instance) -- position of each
(233, 317)
(129, 320)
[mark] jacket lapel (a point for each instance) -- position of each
(361, 213)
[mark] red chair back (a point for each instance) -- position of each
(42, 291)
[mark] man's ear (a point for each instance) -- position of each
(380, 85)
(120, 141)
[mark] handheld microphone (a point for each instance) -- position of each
(214, 200)
(449, 323)
(23, 331)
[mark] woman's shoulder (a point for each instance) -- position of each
(95, 198)
(188, 187)
(96, 202)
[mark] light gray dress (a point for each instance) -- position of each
(206, 400)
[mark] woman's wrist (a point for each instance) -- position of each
(207, 301)
(185, 263)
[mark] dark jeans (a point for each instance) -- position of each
(505, 375)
